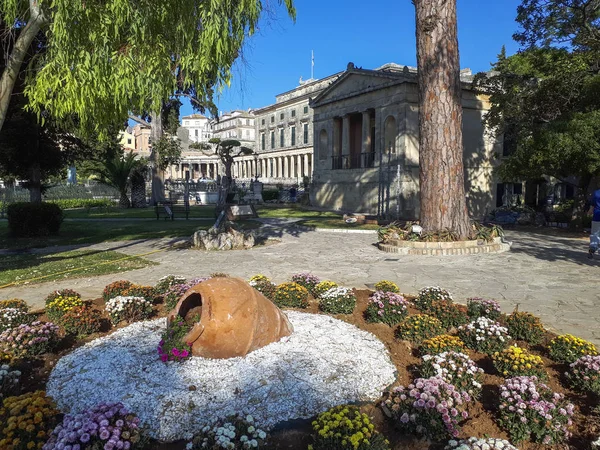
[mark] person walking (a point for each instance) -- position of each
(595, 233)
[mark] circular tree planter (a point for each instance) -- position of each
(444, 248)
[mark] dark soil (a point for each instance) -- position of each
(295, 435)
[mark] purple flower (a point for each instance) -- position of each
(85, 437)
(104, 435)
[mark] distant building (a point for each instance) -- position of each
(127, 139)
(283, 137)
(141, 136)
(198, 127)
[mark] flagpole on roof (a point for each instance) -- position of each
(312, 64)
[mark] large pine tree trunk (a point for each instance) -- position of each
(156, 132)
(443, 203)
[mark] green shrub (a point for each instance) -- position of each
(166, 282)
(442, 343)
(387, 286)
(291, 295)
(115, 289)
(16, 303)
(567, 348)
(386, 307)
(81, 320)
(338, 300)
(270, 195)
(525, 327)
(323, 287)
(71, 203)
(584, 374)
(450, 314)
(33, 219)
(431, 294)
(263, 285)
(419, 327)
(344, 427)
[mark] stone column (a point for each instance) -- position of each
(366, 136)
(306, 172)
(278, 171)
(346, 141)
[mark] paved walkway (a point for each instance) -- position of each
(548, 276)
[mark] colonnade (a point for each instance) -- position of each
(282, 166)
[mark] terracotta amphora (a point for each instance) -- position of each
(234, 318)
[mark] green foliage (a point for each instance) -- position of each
(169, 151)
(15, 303)
(70, 203)
(345, 428)
(449, 313)
(431, 294)
(338, 301)
(81, 320)
(143, 53)
(526, 327)
(418, 328)
(291, 295)
(567, 348)
(115, 289)
(166, 282)
(545, 98)
(171, 346)
(117, 172)
(323, 287)
(387, 286)
(34, 219)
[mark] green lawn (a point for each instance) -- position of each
(132, 213)
(336, 223)
(279, 212)
(59, 266)
(91, 232)
(195, 212)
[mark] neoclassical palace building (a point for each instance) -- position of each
(354, 135)
(366, 144)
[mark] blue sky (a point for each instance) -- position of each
(367, 33)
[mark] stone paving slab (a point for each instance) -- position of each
(547, 275)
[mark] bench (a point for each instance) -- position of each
(169, 210)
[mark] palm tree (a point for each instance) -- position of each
(117, 173)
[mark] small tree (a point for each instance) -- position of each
(117, 172)
(226, 150)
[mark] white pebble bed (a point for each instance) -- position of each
(324, 363)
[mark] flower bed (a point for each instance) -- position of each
(324, 363)
(300, 375)
(386, 307)
(338, 300)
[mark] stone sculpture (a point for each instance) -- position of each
(230, 318)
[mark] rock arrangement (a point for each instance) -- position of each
(223, 238)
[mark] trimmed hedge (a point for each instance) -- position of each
(34, 219)
(68, 203)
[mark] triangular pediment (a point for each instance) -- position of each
(355, 82)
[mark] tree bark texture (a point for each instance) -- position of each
(17, 56)
(442, 180)
(156, 132)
